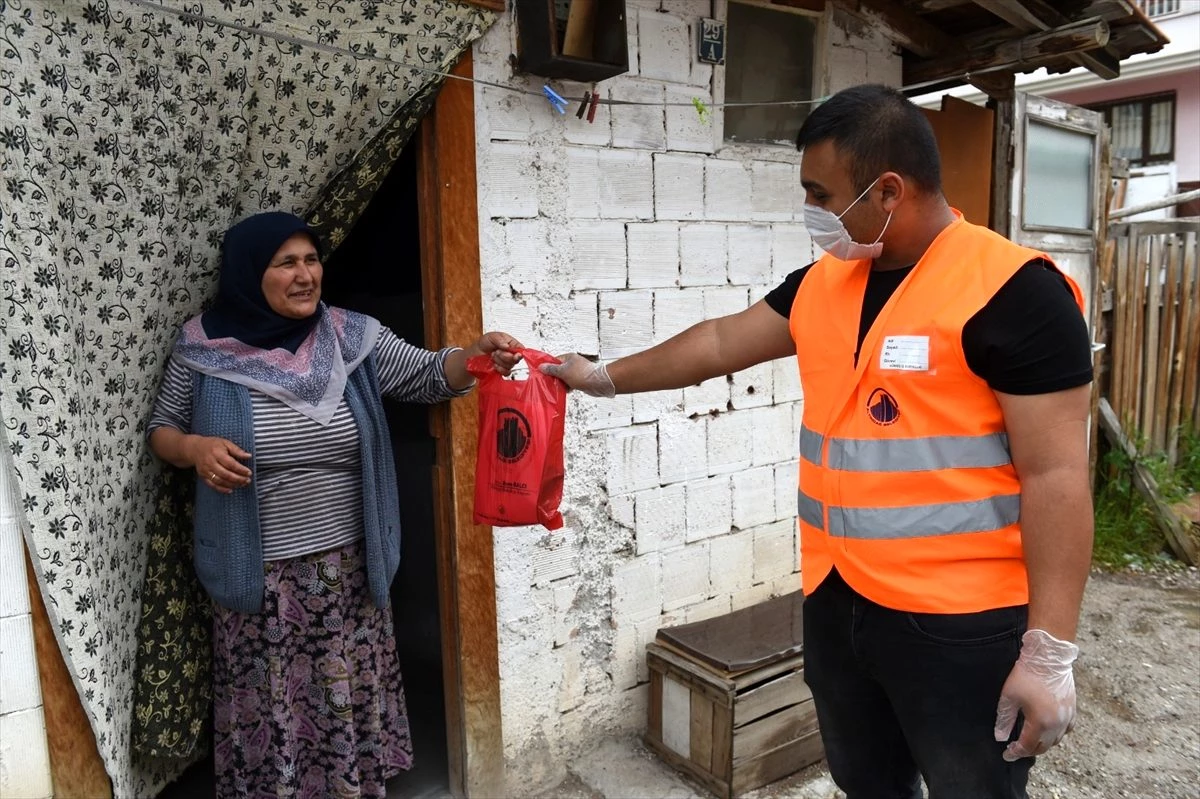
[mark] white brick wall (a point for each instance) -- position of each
(23, 751)
(653, 254)
(660, 518)
(709, 507)
(685, 576)
(703, 255)
(678, 186)
(626, 184)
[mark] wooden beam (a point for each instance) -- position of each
(928, 6)
(1038, 15)
(902, 26)
(1176, 530)
(998, 85)
(1024, 53)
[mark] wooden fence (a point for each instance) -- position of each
(1151, 271)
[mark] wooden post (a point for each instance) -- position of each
(1190, 414)
(1166, 436)
(1138, 267)
(1152, 337)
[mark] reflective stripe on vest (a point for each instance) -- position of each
(906, 454)
(912, 521)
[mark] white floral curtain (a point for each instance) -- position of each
(131, 136)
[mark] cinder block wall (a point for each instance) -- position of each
(24, 758)
(606, 238)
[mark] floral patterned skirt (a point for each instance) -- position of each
(307, 698)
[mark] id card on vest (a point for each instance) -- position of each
(905, 353)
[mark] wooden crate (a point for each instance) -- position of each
(728, 703)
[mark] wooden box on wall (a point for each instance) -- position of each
(583, 40)
(728, 703)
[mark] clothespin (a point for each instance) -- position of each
(560, 105)
(592, 107)
(587, 96)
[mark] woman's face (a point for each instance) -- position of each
(292, 281)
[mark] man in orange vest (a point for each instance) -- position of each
(943, 502)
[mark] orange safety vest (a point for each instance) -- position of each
(906, 481)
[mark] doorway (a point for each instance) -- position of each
(377, 271)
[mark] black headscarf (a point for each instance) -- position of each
(241, 310)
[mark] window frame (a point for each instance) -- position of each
(1146, 101)
(1143, 5)
(817, 88)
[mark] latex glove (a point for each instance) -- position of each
(582, 375)
(1041, 686)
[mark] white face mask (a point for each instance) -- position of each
(830, 234)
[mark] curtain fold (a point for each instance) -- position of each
(131, 137)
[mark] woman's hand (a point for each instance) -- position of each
(216, 461)
(501, 346)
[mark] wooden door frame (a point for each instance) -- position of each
(452, 297)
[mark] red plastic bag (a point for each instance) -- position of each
(519, 469)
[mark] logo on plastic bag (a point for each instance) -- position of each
(512, 435)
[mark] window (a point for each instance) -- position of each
(769, 58)
(1159, 8)
(1058, 177)
(1143, 130)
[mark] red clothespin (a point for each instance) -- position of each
(587, 96)
(591, 114)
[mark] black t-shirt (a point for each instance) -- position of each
(1029, 339)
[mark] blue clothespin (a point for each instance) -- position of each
(560, 105)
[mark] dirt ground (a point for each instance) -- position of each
(1137, 733)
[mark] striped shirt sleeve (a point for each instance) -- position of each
(413, 374)
(173, 405)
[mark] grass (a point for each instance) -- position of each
(1127, 536)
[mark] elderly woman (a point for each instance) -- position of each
(274, 399)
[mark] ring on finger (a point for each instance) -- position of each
(213, 477)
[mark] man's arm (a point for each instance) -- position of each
(710, 348)
(1047, 435)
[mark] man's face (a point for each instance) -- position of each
(825, 176)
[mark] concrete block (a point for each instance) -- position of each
(661, 520)
(725, 300)
(773, 189)
(650, 406)
(678, 186)
(632, 459)
(529, 253)
(754, 497)
(675, 310)
(555, 556)
(709, 507)
(625, 655)
(845, 66)
(621, 509)
(653, 254)
(645, 632)
(729, 442)
(786, 486)
(682, 449)
(774, 435)
(583, 183)
(774, 550)
(637, 587)
(20, 688)
(885, 65)
(686, 130)
(511, 188)
(607, 414)
(507, 115)
(727, 190)
(632, 12)
(669, 59)
(791, 249)
(24, 755)
(731, 563)
(752, 388)
(685, 576)
(626, 184)
(521, 313)
(703, 255)
(598, 132)
(626, 322)
(751, 596)
(708, 609)
(564, 602)
(749, 255)
(570, 683)
(786, 584)
(786, 373)
(14, 593)
(641, 127)
(598, 256)
(585, 326)
(711, 396)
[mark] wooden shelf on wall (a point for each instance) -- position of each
(582, 40)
